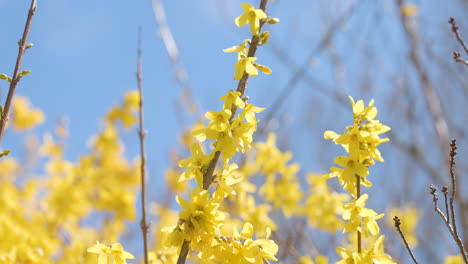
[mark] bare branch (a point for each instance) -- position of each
(141, 132)
(398, 228)
(453, 22)
(22, 47)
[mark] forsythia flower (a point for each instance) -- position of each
(132, 100)
(232, 98)
(196, 164)
(251, 16)
(374, 254)
(119, 255)
(319, 216)
(245, 65)
(125, 112)
(409, 10)
(355, 210)
(24, 116)
(200, 218)
(242, 248)
(454, 260)
(241, 50)
(360, 141)
(284, 191)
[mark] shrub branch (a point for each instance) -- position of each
(450, 211)
(456, 55)
(141, 133)
(22, 47)
(397, 226)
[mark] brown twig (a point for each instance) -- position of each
(452, 154)
(397, 226)
(456, 55)
(455, 236)
(241, 86)
(458, 58)
(453, 22)
(141, 132)
(445, 192)
(358, 194)
(22, 44)
(183, 252)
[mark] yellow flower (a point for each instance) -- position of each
(347, 174)
(227, 178)
(245, 65)
(241, 50)
(50, 148)
(24, 116)
(360, 112)
(123, 115)
(103, 251)
(200, 216)
(119, 255)
(328, 217)
(409, 10)
(132, 100)
(354, 211)
(196, 164)
(251, 16)
(232, 98)
(219, 121)
(453, 260)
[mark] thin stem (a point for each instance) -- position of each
(397, 226)
(358, 194)
(445, 192)
(453, 22)
(447, 224)
(456, 236)
(183, 252)
(453, 152)
(22, 44)
(141, 132)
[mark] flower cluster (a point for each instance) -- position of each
(110, 254)
(43, 216)
(360, 142)
(201, 222)
(245, 60)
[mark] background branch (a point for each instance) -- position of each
(141, 132)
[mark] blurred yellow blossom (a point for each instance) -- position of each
(24, 115)
(410, 10)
